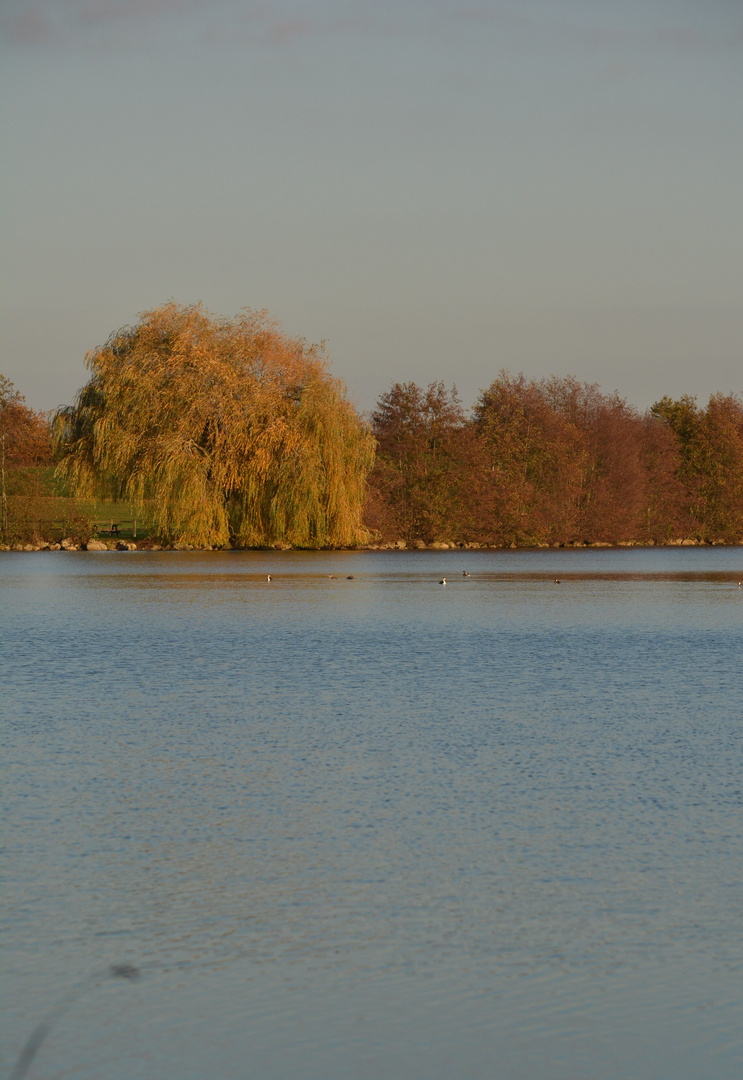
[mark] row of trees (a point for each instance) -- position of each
(228, 431)
(553, 461)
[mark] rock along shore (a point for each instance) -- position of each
(96, 544)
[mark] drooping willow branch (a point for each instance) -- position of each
(227, 430)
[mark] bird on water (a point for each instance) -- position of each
(443, 581)
(268, 577)
(465, 574)
(557, 581)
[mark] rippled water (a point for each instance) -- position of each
(374, 827)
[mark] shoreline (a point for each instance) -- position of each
(122, 546)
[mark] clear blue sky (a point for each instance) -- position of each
(438, 189)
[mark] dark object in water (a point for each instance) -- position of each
(123, 971)
(350, 577)
(40, 1032)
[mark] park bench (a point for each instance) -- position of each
(111, 528)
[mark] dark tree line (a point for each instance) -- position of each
(554, 461)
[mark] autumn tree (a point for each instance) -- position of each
(418, 489)
(535, 462)
(227, 430)
(722, 488)
(567, 462)
(618, 498)
(683, 418)
(25, 449)
(665, 511)
(710, 445)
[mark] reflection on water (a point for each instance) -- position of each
(375, 827)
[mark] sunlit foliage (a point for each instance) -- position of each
(421, 484)
(24, 433)
(25, 466)
(226, 429)
(554, 461)
(711, 447)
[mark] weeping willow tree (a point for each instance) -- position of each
(226, 429)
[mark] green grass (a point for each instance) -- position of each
(40, 507)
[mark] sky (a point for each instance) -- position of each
(438, 190)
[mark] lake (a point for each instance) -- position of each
(373, 827)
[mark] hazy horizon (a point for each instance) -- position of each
(438, 190)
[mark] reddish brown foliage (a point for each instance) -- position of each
(554, 461)
(23, 432)
(25, 448)
(418, 487)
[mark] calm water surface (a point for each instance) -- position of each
(374, 828)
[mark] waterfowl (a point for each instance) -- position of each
(350, 577)
(465, 574)
(268, 577)
(557, 581)
(331, 577)
(443, 581)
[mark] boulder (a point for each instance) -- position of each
(125, 545)
(95, 545)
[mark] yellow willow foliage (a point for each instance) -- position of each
(228, 430)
